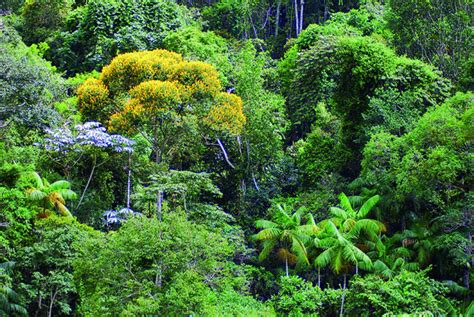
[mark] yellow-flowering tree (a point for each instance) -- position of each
(170, 101)
(159, 94)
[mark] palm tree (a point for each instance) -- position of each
(50, 196)
(343, 235)
(392, 256)
(354, 222)
(8, 296)
(419, 238)
(339, 252)
(287, 235)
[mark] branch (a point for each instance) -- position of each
(225, 153)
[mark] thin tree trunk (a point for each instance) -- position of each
(159, 194)
(225, 153)
(326, 11)
(467, 273)
(277, 18)
(297, 21)
(301, 14)
(158, 279)
(319, 277)
(129, 179)
(40, 303)
(286, 266)
(159, 204)
(53, 297)
(88, 183)
(255, 182)
(184, 203)
(357, 268)
(343, 295)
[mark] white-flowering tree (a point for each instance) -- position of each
(68, 146)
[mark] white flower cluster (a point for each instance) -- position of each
(88, 134)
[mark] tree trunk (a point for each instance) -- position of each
(87, 184)
(326, 11)
(297, 21)
(301, 14)
(40, 303)
(225, 153)
(286, 266)
(159, 204)
(343, 295)
(357, 268)
(159, 194)
(470, 264)
(158, 279)
(319, 277)
(129, 179)
(52, 299)
(277, 18)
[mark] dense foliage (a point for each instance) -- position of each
(236, 158)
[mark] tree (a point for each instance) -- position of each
(297, 297)
(435, 31)
(8, 297)
(362, 83)
(165, 93)
(425, 171)
(30, 85)
(173, 266)
(100, 30)
(339, 251)
(169, 100)
(287, 235)
(41, 18)
(355, 222)
(341, 235)
(49, 197)
(419, 238)
(393, 255)
(45, 265)
(89, 138)
(406, 292)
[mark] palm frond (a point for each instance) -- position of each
(331, 228)
(7, 266)
(67, 194)
(324, 259)
(268, 234)
(61, 184)
(348, 224)
(265, 224)
(38, 181)
(369, 226)
(325, 243)
(63, 210)
(310, 220)
(268, 246)
(356, 200)
(338, 212)
(345, 203)
(367, 206)
(382, 269)
(338, 261)
(299, 249)
(411, 266)
(455, 288)
(309, 229)
(36, 194)
(354, 255)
